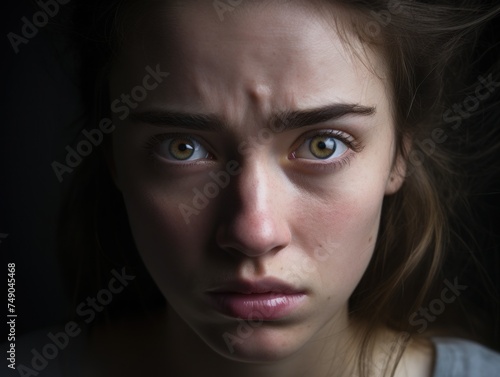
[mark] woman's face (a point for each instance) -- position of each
(254, 171)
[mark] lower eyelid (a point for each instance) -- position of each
(153, 143)
(325, 165)
(353, 147)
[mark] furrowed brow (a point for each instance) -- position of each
(290, 120)
(196, 122)
(284, 121)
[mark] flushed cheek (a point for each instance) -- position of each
(350, 229)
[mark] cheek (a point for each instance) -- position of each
(167, 245)
(348, 231)
(173, 250)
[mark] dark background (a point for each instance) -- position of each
(39, 106)
(39, 103)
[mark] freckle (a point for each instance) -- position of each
(370, 240)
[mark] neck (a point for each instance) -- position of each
(164, 345)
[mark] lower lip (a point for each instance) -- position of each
(257, 306)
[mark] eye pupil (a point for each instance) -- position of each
(181, 149)
(322, 147)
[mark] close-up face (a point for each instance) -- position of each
(254, 173)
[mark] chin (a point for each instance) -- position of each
(264, 343)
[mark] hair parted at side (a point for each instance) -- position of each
(434, 57)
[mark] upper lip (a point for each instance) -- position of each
(266, 285)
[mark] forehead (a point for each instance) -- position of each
(264, 55)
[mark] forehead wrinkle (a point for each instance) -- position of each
(229, 95)
(259, 96)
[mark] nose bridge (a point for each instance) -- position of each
(253, 224)
(255, 186)
(253, 193)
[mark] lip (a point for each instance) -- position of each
(268, 299)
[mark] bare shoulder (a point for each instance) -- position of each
(417, 360)
(398, 350)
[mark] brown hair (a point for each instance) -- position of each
(428, 47)
(432, 54)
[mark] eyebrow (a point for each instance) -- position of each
(283, 121)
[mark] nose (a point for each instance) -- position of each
(254, 221)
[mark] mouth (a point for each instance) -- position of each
(264, 300)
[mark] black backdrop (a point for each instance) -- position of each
(39, 104)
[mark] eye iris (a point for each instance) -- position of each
(181, 149)
(322, 146)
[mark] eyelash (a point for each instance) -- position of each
(353, 145)
(153, 142)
